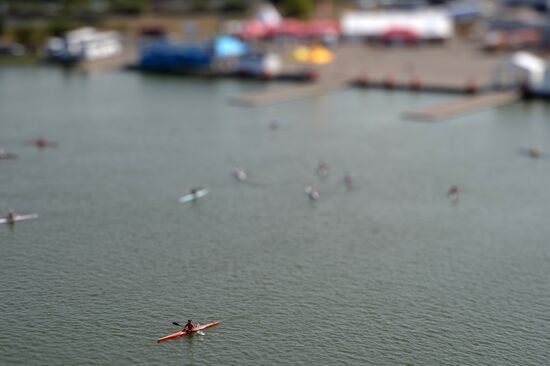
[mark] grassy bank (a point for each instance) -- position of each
(19, 60)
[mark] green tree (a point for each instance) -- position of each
(297, 8)
(15, 8)
(66, 8)
(58, 27)
(29, 36)
(199, 6)
(130, 7)
(234, 6)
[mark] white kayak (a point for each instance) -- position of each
(312, 192)
(240, 175)
(4, 155)
(17, 218)
(194, 196)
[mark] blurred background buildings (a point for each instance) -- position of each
(292, 39)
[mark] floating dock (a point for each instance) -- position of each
(464, 106)
(415, 85)
(456, 67)
(292, 93)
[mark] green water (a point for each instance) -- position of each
(389, 273)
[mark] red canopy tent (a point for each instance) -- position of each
(289, 27)
(400, 34)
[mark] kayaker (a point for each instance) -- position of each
(10, 217)
(534, 151)
(40, 142)
(311, 192)
(189, 326)
(240, 174)
(453, 193)
(322, 170)
(347, 180)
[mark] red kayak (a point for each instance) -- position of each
(184, 332)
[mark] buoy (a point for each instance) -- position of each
(534, 151)
(389, 82)
(471, 86)
(526, 90)
(313, 75)
(415, 83)
(364, 80)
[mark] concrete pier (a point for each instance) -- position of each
(292, 93)
(456, 67)
(464, 106)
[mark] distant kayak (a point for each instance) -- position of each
(4, 155)
(17, 218)
(347, 181)
(8, 156)
(240, 174)
(312, 192)
(42, 143)
(185, 332)
(453, 194)
(194, 196)
(322, 170)
(534, 153)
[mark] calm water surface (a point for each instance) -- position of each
(390, 273)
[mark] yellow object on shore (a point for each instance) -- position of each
(320, 55)
(301, 54)
(316, 55)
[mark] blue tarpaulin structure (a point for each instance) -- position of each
(228, 46)
(173, 57)
(177, 57)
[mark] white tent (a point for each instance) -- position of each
(268, 14)
(532, 64)
(521, 67)
(428, 24)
